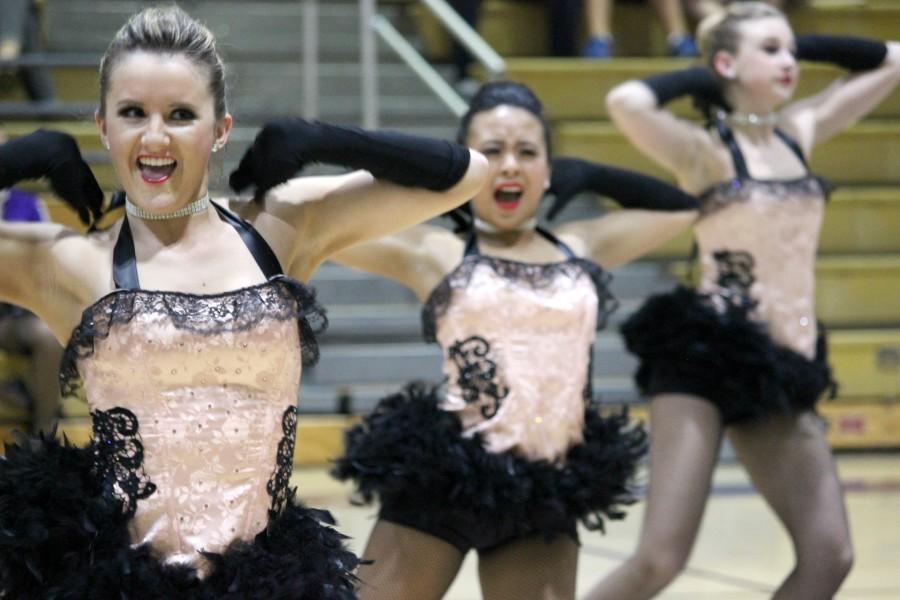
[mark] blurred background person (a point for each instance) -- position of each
(20, 33)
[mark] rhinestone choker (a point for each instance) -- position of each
(198, 205)
(754, 119)
(486, 227)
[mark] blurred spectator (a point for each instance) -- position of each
(699, 9)
(563, 25)
(20, 34)
(22, 333)
(669, 12)
(564, 20)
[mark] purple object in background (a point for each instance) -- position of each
(22, 206)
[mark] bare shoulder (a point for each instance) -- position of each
(68, 272)
(713, 165)
(799, 122)
(302, 191)
(438, 243)
(575, 234)
(83, 263)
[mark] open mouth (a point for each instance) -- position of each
(786, 81)
(156, 169)
(508, 197)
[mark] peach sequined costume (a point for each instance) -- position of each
(185, 486)
(516, 446)
(747, 339)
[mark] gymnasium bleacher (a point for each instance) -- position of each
(373, 344)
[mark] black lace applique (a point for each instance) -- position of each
(478, 374)
(723, 194)
(284, 461)
(538, 276)
(588, 392)
(736, 276)
(119, 457)
(280, 298)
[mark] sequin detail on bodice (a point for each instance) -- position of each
(517, 341)
(757, 245)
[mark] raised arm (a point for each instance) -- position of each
(678, 145)
(656, 211)
(875, 73)
(417, 258)
(408, 180)
(29, 270)
(623, 236)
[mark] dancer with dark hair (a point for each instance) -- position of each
(513, 451)
(742, 352)
(191, 323)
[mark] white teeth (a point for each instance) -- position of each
(156, 162)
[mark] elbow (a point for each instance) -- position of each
(629, 98)
(892, 60)
(474, 179)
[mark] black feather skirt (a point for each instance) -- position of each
(63, 537)
(412, 456)
(686, 346)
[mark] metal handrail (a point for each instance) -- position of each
(368, 63)
(371, 24)
(311, 59)
(421, 67)
(466, 35)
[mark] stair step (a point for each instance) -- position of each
(868, 153)
(345, 364)
(858, 220)
(389, 323)
(575, 88)
(851, 425)
(517, 28)
(852, 291)
(866, 363)
(339, 285)
(241, 28)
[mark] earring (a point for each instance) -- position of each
(106, 144)
(216, 147)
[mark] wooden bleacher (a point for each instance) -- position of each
(859, 265)
(517, 28)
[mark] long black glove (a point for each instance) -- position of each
(698, 82)
(53, 155)
(284, 146)
(572, 176)
(851, 53)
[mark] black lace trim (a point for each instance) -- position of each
(721, 195)
(279, 298)
(284, 462)
(478, 374)
(736, 276)
(538, 276)
(119, 457)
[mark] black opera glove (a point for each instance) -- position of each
(284, 146)
(572, 176)
(54, 155)
(698, 82)
(851, 53)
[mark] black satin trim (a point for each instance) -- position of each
(125, 275)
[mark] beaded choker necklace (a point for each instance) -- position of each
(198, 205)
(485, 227)
(736, 118)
